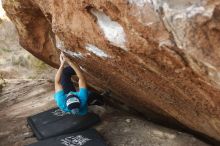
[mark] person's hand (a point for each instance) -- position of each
(62, 58)
(66, 58)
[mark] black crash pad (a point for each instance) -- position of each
(54, 122)
(88, 137)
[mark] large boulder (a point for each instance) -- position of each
(162, 55)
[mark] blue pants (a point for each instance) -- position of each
(66, 81)
(67, 84)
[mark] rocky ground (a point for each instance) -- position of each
(22, 98)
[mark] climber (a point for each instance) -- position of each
(66, 97)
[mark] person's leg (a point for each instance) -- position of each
(66, 81)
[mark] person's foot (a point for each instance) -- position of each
(97, 102)
(106, 93)
(98, 99)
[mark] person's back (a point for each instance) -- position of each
(82, 94)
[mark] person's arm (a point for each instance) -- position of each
(82, 80)
(58, 85)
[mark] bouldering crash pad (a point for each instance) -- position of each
(54, 122)
(88, 137)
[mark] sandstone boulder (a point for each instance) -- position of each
(162, 55)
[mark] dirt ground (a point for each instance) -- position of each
(22, 98)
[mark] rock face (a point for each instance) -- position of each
(162, 55)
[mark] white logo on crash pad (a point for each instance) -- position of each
(59, 113)
(78, 140)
